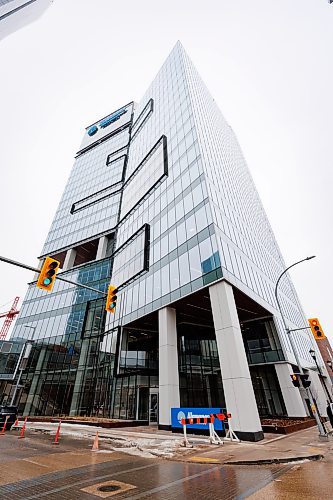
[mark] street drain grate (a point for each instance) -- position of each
(108, 488)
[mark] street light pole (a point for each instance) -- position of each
(321, 429)
(313, 355)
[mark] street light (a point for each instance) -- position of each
(308, 392)
(33, 328)
(330, 364)
(313, 355)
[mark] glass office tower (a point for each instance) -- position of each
(161, 204)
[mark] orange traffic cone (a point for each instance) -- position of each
(2, 433)
(15, 423)
(95, 446)
(56, 439)
(21, 436)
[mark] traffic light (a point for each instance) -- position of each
(316, 328)
(111, 300)
(47, 274)
(295, 380)
(305, 382)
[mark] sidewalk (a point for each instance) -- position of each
(150, 442)
(301, 445)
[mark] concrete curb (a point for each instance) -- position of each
(269, 461)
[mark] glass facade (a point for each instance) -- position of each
(161, 203)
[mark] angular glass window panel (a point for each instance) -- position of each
(135, 297)
(147, 174)
(195, 263)
(188, 203)
(157, 251)
(197, 194)
(206, 255)
(157, 287)
(180, 212)
(201, 219)
(129, 260)
(191, 229)
(164, 223)
(164, 246)
(174, 275)
(181, 233)
(98, 197)
(142, 118)
(165, 280)
(184, 269)
(185, 180)
(142, 293)
(149, 289)
(172, 240)
(129, 293)
(177, 187)
(171, 216)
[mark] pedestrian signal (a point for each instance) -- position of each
(111, 300)
(47, 274)
(295, 381)
(316, 329)
(305, 382)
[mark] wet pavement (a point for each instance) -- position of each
(306, 481)
(35, 468)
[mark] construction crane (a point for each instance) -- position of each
(10, 315)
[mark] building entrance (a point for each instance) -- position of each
(153, 407)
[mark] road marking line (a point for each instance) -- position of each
(204, 459)
(35, 463)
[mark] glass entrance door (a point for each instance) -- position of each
(153, 408)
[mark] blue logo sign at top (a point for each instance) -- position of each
(92, 130)
(106, 122)
(178, 413)
(110, 119)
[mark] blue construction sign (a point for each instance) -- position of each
(177, 414)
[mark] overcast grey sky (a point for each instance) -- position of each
(267, 63)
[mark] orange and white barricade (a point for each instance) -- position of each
(214, 438)
(230, 435)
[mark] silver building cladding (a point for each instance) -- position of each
(160, 202)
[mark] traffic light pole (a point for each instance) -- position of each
(320, 426)
(30, 268)
(321, 376)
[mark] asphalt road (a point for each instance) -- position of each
(34, 468)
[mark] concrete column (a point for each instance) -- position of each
(69, 259)
(101, 249)
(236, 378)
(291, 395)
(80, 378)
(168, 366)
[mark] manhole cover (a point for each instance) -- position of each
(109, 487)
